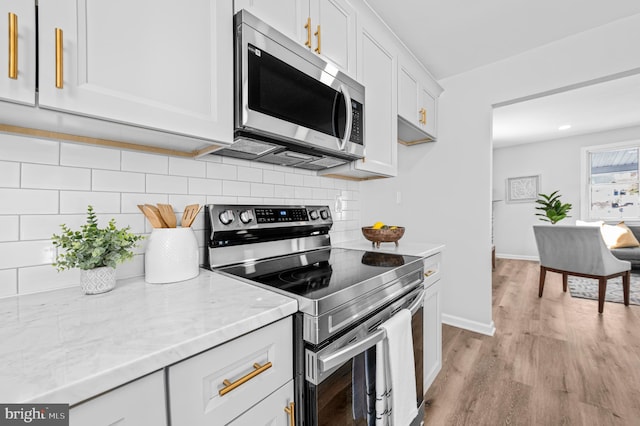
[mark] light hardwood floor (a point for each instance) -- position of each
(552, 361)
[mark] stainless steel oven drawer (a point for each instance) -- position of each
(220, 384)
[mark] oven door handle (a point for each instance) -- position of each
(334, 359)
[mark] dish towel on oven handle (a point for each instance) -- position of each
(395, 373)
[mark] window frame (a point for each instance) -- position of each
(585, 178)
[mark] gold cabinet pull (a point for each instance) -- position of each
(308, 28)
(291, 412)
(228, 386)
(59, 60)
(424, 116)
(13, 46)
(429, 273)
(319, 37)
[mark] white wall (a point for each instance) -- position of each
(44, 183)
(446, 187)
(558, 162)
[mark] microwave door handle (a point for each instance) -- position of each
(334, 359)
(349, 121)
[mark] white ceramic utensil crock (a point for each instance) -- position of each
(171, 255)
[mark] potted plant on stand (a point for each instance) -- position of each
(554, 209)
(95, 251)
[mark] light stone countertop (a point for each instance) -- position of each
(64, 346)
(407, 248)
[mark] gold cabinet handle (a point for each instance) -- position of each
(319, 37)
(424, 116)
(59, 60)
(291, 412)
(228, 386)
(429, 273)
(308, 28)
(13, 46)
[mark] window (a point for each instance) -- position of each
(612, 184)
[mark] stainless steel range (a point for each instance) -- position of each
(343, 296)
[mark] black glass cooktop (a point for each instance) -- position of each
(319, 273)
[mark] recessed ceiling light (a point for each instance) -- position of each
(564, 127)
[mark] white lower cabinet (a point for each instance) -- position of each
(274, 410)
(219, 385)
(141, 402)
(432, 320)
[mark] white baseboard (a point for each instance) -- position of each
(517, 257)
(477, 327)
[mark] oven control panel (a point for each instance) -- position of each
(230, 217)
(273, 215)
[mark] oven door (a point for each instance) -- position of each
(339, 385)
(281, 94)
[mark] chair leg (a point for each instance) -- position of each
(543, 273)
(564, 282)
(626, 283)
(602, 289)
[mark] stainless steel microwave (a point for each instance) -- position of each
(291, 106)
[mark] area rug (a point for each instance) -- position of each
(587, 288)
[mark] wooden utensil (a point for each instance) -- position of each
(152, 213)
(169, 217)
(190, 213)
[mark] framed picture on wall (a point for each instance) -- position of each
(523, 189)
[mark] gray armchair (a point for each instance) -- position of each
(579, 251)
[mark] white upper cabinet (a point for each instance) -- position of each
(159, 65)
(326, 27)
(377, 70)
(18, 73)
(417, 102)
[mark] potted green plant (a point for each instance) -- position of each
(554, 209)
(95, 251)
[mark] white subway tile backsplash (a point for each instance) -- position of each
(77, 202)
(251, 200)
(249, 174)
(94, 157)
(303, 192)
(29, 150)
(284, 191)
(8, 282)
(28, 201)
(55, 177)
(237, 189)
(205, 186)
(9, 174)
(187, 167)
(46, 277)
(108, 180)
(167, 184)
(261, 190)
(41, 227)
(26, 253)
(9, 227)
(68, 177)
(222, 171)
(311, 181)
(145, 163)
(221, 199)
(320, 194)
(272, 176)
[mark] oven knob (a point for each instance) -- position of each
(313, 214)
(324, 214)
(226, 217)
(246, 216)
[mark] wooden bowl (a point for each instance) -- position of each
(377, 236)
